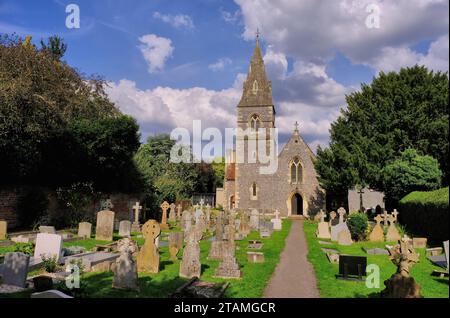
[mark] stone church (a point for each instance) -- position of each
(293, 189)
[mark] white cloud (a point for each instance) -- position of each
(310, 31)
(231, 17)
(220, 64)
(177, 21)
(156, 50)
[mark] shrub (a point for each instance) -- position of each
(426, 214)
(357, 224)
(26, 248)
(49, 263)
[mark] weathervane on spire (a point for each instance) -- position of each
(257, 33)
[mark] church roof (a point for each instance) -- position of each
(257, 88)
(297, 138)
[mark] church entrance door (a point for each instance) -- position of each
(297, 204)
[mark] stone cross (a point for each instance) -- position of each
(361, 205)
(202, 202)
(179, 208)
(404, 257)
(385, 217)
(378, 219)
(277, 214)
(391, 219)
(137, 208)
(148, 256)
(164, 207)
(172, 214)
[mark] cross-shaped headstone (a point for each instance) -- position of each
(322, 216)
(202, 202)
(385, 217)
(391, 219)
(137, 208)
(277, 214)
(378, 219)
(164, 206)
(341, 212)
(361, 205)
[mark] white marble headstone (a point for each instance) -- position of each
(48, 245)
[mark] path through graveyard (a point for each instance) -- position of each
(294, 276)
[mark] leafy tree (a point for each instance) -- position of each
(55, 46)
(411, 172)
(398, 111)
(218, 165)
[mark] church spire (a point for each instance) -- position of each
(257, 88)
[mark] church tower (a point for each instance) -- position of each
(255, 111)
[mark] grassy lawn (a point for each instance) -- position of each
(255, 276)
(330, 287)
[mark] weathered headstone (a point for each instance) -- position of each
(377, 234)
(175, 244)
(229, 268)
(341, 226)
(333, 220)
(164, 207)
(179, 210)
(323, 230)
(186, 221)
(148, 256)
(50, 294)
(125, 228)
(136, 226)
(3, 229)
(85, 229)
(277, 224)
(345, 237)
(255, 257)
(254, 219)
(48, 245)
(15, 269)
(392, 234)
(105, 226)
(190, 264)
(47, 229)
(200, 220)
(244, 227)
(125, 268)
(173, 213)
(419, 242)
(401, 284)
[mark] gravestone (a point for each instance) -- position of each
(392, 234)
(333, 220)
(376, 251)
(190, 264)
(255, 245)
(173, 213)
(15, 269)
(446, 251)
(277, 224)
(136, 226)
(164, 207)
(84, 229)
(125, 228)
(229, 268)
(200, 221)
(419, 242)
(377, 234)
(3, 230)
(148, 256)
(186, 221)
(50, 294)
(208, 214)
(125, 268)
(323, 230)
(255, 257)
(244, 227)
(254, 219)
(341, 226)
(265, 229)
(175, 244)
(105, 226)
(352, 266)
(47, 229)
(345, 237)
(94, 261)
(215, 252)
(48, 245)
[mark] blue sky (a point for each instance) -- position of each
(171, 62)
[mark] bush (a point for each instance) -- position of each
(26, 248)
(49, 263)
(426, 214)
(357, 224)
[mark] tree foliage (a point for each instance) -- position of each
(398, 111)
(411, 172)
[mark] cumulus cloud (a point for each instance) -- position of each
(156, 50)
(220, 64)
(231, 17)
(310, 31)
(178, 21)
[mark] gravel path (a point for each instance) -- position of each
(294, 276)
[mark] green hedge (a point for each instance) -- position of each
(426, 214)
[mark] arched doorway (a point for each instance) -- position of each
(297, 204)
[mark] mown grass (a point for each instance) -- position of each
(330, 287)
(251, 285)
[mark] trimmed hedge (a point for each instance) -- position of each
(426, 214)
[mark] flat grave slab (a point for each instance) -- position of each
(195, 288)
(255, 245)
(376, 251)
(438, 260)
(94, 261)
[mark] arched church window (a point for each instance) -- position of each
(255, 87)
(255, 122)
(254, 191)
(296, 171)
